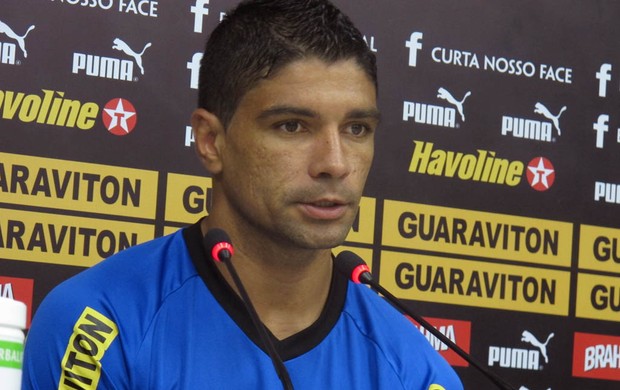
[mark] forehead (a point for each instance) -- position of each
(311, 80)
(305, 67)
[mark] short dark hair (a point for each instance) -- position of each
(259, 37)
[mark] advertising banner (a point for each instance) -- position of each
(492, 208)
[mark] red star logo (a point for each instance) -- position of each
(119, 116)
(540, 174)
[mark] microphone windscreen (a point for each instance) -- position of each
(350, 265)
(215, 241)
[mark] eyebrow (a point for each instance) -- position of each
(371, 113)
(282, 110)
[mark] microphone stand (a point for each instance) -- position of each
(218, 245)
(271, 350)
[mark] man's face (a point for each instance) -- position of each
(297, 152)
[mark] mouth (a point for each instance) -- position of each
(326, 203)
(325, 209)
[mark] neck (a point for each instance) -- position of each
(288, 288)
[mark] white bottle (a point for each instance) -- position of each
(12, 325)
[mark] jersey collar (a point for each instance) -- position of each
(289, 348)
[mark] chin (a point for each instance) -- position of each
(314, 236)
(323, 241)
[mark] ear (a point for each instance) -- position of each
(209, 139)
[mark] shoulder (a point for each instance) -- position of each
(397, 341)
(132, 271)
(139, 277)
(109, 307)
(374, 317)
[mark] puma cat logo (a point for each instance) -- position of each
(530, 338)
(119, 44)
(442, 93)
(539, 108)
(21, 39)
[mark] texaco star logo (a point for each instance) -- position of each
(119, 116)
(540, 174)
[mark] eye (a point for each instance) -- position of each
(359, 129)
(290, 126)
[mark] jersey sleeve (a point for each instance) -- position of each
(70, 344)
(88, 330)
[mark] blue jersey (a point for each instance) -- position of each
(160, 316)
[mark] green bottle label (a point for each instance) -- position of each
(11, 354)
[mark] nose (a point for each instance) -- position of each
(329, 155)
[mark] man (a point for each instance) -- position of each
(285, 127)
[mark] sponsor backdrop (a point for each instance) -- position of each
(492, 209)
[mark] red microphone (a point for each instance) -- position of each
(220, 245)
(353, 267)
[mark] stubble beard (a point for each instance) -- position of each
(292, 233)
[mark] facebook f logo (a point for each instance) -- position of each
(414, 44)
(194, 68)
(601, 127)
(603, 76)
(199, 10)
